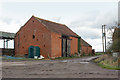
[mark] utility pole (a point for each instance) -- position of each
(104, 38)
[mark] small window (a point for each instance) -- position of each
(33, 36)
(37, 39)
(33, 21)
(44, 45)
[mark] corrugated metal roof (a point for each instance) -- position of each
(7, 35)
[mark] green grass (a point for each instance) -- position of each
(109, 66)
(62, 58)
(106, 61)
(83, 55)
(97, 54)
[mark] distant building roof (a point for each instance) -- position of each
(6, 35)
(57, 27)
(83, 42)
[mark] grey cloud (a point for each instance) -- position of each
(84, 25)
(88, 33)
(6, 20)
(96, 20)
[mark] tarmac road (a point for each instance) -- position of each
(72, 68)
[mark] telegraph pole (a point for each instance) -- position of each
(104, 38)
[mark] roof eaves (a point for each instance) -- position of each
(86, 42)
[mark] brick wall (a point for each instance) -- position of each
(56, 45)
(24, 38)
(86, 49)
(74, 45)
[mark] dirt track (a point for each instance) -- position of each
(72, 68)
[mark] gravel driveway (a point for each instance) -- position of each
(72, 68)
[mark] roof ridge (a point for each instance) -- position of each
(49, 21)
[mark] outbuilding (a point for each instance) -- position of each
(86, 48)
(53, 39)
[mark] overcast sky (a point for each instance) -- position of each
(83, 17)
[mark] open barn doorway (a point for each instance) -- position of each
(65, 46)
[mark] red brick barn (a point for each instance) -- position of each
(54, 39)
(85, 47)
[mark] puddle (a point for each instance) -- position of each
(64, 61)
(84, 62)
(17, 64)
(70, 61)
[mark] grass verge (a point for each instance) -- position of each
(64, 58)
(97, 54)
(109, 66)
(108, 62)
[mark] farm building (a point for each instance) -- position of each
(6, 37)
(85, 47)
(53, 39)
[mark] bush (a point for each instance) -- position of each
(116, 45)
